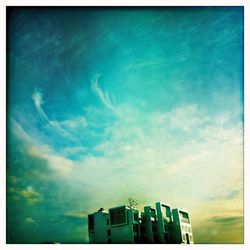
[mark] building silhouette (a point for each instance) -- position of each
(125, 224)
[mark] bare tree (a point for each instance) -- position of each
(132, 203)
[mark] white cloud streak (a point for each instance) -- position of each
(37, 97)
(18, 130)
(57, 163)
(147, 62)
(104, 96)
(57, 126)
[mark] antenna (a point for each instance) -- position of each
(132, 203)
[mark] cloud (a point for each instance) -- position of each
(234, 193)
(104, 96)
(75, 122)
(69, 151)
(18, 131)
(59, 164)
(70, 127)
(31, 196)
(184, 142)
(51, 159)
(157, 151)
(190, 154)
(29, 220)
(37, 97)
(224, 228)
(185, 117)
(77, 214)
(147, 62)
(228, 220)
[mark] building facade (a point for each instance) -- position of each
(123, 224)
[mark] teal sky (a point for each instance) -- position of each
(110, 103)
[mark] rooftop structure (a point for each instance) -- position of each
(125, 224)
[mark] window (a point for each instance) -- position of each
(107, 221)
(184, 217)
(117, 216)
(184, 237)
(91, 221)
(109, 232)
(109, 241)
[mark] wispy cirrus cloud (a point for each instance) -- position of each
(103, 95)
(76, 123)
(37, 97)
(147, 62)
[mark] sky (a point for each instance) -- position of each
(104, 104)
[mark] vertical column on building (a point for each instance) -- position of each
(164, 218)
(149, 224)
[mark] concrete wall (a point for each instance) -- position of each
(181, 228)
(99, 234)
(164, 217)
(122, 234)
